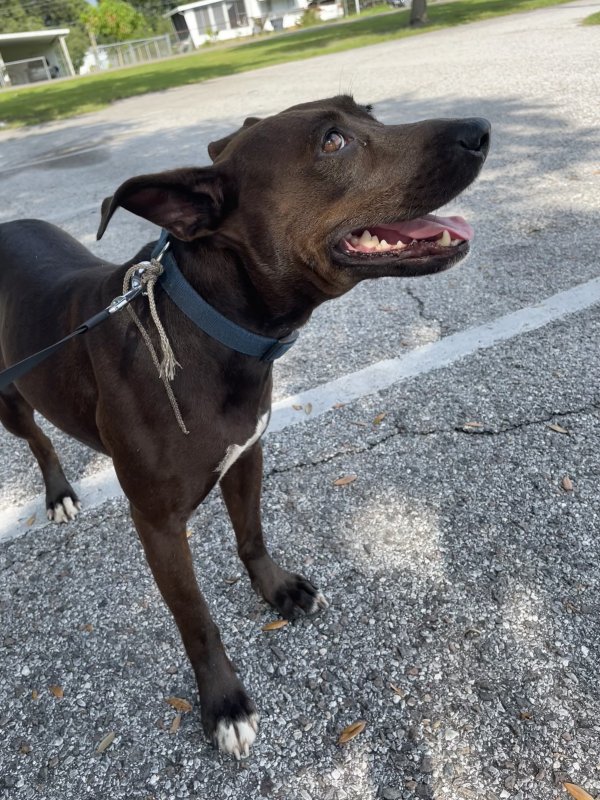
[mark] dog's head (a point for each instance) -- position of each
(323, 192)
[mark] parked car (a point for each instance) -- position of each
(397, 3)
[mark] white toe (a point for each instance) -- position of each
(237, 737)
(319, 603)
(59, 513)
(64, 511)
(70, 509)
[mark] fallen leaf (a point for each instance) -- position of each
(379, 418)
(106, 742)
(57, 691)
(360, 424)
(473, 425)
(397, 690)
(233, 579)
(275, 625)
(554, 426)
(297, 407)
(338, 405)
(567, 484)
(308, 408)
(178, 704)
(25, 748)
(345, 480)
(87, 627)
(34, 694)
(577, 792)
(176, 723)
(351, 731)
(31, 520)
(526, 715)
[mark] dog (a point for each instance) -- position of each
(296, 209)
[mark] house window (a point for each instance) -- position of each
(237, 14)
(219, 15)
(203, 20)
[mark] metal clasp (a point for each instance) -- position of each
(119, 302)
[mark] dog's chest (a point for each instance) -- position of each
(234, 451)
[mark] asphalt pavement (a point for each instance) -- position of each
(462, 563)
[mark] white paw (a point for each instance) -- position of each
(63, 511)
(319, 603)
(236, 738)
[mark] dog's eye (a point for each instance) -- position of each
(333, 141)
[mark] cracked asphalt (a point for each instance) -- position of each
(462, 563)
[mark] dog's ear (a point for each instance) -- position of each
(187, 202)
(216, 148)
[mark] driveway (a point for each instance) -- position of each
(462, 563)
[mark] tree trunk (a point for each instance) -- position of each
(418, 13)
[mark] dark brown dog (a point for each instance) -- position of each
(268, 232)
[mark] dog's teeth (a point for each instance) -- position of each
(354, 240)
(454, 242)
(399, 245)
(383, 245)
(445, 239)
(365, 239)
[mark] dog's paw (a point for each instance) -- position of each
(63, 510)
(236, 736)
(295, 596)
(230, 720)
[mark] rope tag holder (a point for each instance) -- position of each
(145, 274)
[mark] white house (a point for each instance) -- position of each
(34, 56)
(227, 19)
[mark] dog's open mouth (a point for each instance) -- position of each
(428, 243)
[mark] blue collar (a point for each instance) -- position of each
(208, 319)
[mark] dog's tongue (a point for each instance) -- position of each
(431, 226)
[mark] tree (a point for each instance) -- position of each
(115, 21)
(418, 13)
(154, 11)
(14, 18)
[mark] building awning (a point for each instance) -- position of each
(189, 6)
(35, 37)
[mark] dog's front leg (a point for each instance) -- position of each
(289, 593)
(228, 715)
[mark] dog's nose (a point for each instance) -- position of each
(474, 135)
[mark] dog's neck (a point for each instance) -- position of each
(249, 297)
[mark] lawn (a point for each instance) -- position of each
(593, 19)
(80, 95)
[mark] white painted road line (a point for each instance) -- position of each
(433, 356)
(103, 486)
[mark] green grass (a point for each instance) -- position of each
(80, 95)
(593, 19)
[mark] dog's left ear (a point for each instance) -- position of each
(187, 202)
(216, 148)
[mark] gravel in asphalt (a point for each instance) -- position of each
(461, 566)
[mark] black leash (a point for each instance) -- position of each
(19, 369)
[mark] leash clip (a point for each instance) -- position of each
(136, 288)
(123, 299)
